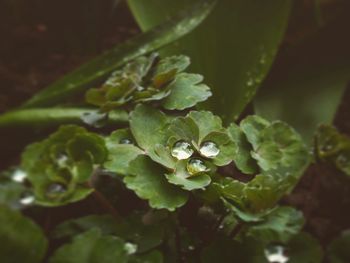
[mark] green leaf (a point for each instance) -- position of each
(21, 240)
(186, 92)
(148, 79)
(97, 69)
(304, 248)
(60, 166)
(230, 188)
(105, 223)
(206, 122)
(338, 250)
(243, 159)
(227, 148)
(280, 147)
(120, 151)
(40, 117)
(132, 228)
(147, 180)
(252, 127)
(91, 247)
(148, 127)
(334, 147)
(306, 86)
(234, 61)
(280, 225)
(182, 178)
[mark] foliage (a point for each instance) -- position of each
(333, 147)
(60, 166)
(21, 239)
(151, 176)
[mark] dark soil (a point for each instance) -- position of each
(41, 42)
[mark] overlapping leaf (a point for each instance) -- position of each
(150, 79)
(334, 147)
(279, 153)
(60, 166)
(147, 180)
(21, 240)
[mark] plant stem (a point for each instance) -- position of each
(42, 117)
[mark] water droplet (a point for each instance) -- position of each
(54, 190)
(182, 150)
(276, 254)
(130, 248)
(250, 82)
(94, 118)
(19, 176)
(125, 141)
(328, 147)
(27, 199)
(342, 159)
(195, 166)
(209, 149)
(62, 160)
(191, 248)
(263, 59)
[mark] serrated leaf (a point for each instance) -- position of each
(100, 67)
(280, 225)
(185, 92)
(64, 161)
(148, 127)
(21, 240)
(334, 147)
(230, 188)
(187, 182)
(147, 180)
(227, 148)
(243, 159)
(91, 247)
(206, 122)
(119, 153)
(280, 146)
(131, 228)
(338, 250)
(252, 126)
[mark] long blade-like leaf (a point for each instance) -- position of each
(307, 83)
(95, 70)
(233, 48)
(37, 117)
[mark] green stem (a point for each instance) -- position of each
(42, 117)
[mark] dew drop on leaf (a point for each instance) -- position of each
(54, 190)
(195, 166)
(19, 176)
(27, 199)
(182, 150)
(62, 160)
(209, 149)
(276, 254)
(95, 119)
(191, 248)
(342, 159)
(125, 141)
(130, 248)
